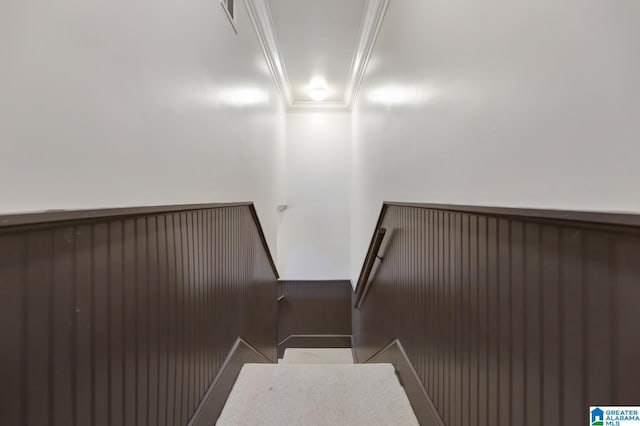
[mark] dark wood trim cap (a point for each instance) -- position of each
(422, 405)
(593, 217)
(52, 218)
(214, 400)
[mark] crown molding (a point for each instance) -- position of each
(318, 106)
(262, 21)
(369, 29)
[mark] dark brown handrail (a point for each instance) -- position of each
(360, 284)
(372, 255)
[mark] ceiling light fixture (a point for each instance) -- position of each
(318, 90)
(318, 94)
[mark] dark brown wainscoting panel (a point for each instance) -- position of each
(314, 308)
(509, 319)
(314, 341)
(125, 318)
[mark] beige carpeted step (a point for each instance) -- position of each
(318, 394)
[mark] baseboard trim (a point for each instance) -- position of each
(423, 407)
(213, 402)
(314, 341)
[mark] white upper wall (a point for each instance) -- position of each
(130, 103)
(532, 103)
(314, 233)
(127, 103)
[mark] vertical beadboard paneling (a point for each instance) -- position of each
(83, 361)
(100, 320)
(153, 320)
(483, 320)
(38, 286)
(508, 319)
(599, 280)
(625, 301)
(117, 323)
(518, 318)
(493, 324)
(162, 313)
(172, 320)
(126, 319)
(141, 336)
(314, 307)
(505, 322)
(465, 315)
(63, 313)
(474, 325)
(572, 331)
(13, 328)
(130, 324)
(551, 258)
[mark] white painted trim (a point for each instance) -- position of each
(232, 20)
(373, 15)
(369, 29)
(260, 15)
(318, 106)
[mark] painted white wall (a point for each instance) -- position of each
(533, 103)
(129, 103)
(314, 234)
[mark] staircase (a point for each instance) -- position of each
(317, 387)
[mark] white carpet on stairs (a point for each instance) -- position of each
(317, 356)
(317, 394)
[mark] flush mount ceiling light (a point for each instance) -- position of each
(318, 94)
(318, 90)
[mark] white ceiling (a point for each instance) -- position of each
(307, 39)
(317, 38)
